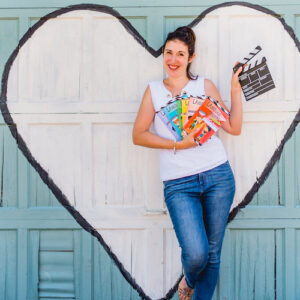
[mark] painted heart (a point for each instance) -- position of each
(73, 87)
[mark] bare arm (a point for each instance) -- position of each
(234, 124)
(143, 137)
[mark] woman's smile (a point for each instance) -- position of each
(173, 67)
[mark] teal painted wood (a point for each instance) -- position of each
(136, 3)
(8, 264)
(261, 247)
(297, 265)
(279, 271)
(297, 164)
(33, 264)
(107, 282)
(9, 172)
(22, 259)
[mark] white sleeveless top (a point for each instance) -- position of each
(187, 161)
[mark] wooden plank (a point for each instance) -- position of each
(225, 282)
(3, 263)
(143, 4)
(78, 274)
(39, 193)
(253, 264)
(172, 259)
(56, 277)
(289, 260)
(264, 224)
(102, 275)
(60, 213)
(279, 263)
(10, 169)
(41, 224)
(297, 165)
(22, 258)
(297, 265)
(33, 264)
(86, 265)
(2, 202)
(9, 34)
(23, 180)
(269, 194)
(8, 264)
(120, 288)
(54, 240)
(289, 155)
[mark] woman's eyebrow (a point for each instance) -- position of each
(166, 49)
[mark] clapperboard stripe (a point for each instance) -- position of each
(248, 58)
(256, 79)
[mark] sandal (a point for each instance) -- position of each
(184, 291)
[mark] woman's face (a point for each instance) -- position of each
(176, 58)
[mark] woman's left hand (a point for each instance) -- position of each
(235, 84)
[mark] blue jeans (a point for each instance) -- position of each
(199, 206)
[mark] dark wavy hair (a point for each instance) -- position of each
(186, 35)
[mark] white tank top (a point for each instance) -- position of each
(187, 161)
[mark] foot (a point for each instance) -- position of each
(184, 291)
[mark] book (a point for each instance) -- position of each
(196, 121)
(161, 114)
(203, 134)
(194, 104)
(171, 113)
(184, 108)
(179, 110)
(208, 118)
(184, 114)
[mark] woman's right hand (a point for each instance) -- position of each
(188, 141)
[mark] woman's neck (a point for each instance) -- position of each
(176, 83)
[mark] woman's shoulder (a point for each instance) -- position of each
(209, 84)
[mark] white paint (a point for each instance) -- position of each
(74, 91)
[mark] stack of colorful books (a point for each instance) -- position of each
(186, 113)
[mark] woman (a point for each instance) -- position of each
(198, 181)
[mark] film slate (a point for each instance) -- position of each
(256, 78)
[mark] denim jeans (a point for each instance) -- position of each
(199, 206)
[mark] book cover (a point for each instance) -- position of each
(217, 116)
(193, 105)
(208, 118)
(196, 121)
(204, 133)
(184, 108)
(161, 114)
(172, 114)
(179, 111)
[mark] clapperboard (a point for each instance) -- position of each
(256, 78)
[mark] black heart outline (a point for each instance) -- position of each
(131, 30)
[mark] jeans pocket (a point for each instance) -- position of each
(179, 181)
(179, 184)
(222, 172)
